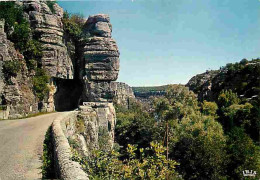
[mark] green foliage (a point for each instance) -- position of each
(134, 126)
(106, 165)
(239, 114)
(12, 14)
(227, 98)
(50, 5)
(19, 32)
(254, 129)
(209, 108)
(235, 113)
(73, 143)
(196, 141)
(3, 107)
(11, 68)
(199, 148)
(177, 103)
(40, 85)
(241, 78)
(21, 35)
(48, 156)
(33, 54)
(73, 25)
(244, 154)
(74, 36)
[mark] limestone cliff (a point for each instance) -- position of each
(123, 94)
(242, 78)
(16, 95)
(101, 59)
(202, 84)
(49, 30)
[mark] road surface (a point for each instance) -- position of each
(21, 144)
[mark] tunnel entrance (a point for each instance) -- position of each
(68, 94)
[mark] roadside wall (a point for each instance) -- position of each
(65, 168)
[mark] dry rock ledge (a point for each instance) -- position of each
(65, 168)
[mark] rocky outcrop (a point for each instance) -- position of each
(242, 78)
(95, 125)
(99, 126)
(16, 96)
(48, 29)
(201, 84)
(123, 94)
(101, 59)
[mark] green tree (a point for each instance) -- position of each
(209, 108)
(134, 126)
(40, 85)
(196, 141)
(244, 154)
(200, 148)
(227, 98)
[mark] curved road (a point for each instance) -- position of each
(21, 144)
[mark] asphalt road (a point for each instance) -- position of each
(21, 144)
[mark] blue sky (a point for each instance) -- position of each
(169, 41)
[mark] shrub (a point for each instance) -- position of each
(134, 126)
(106, 165)
(11, 68)
(73, 25)
(50, 5)
(21, 35)
(195, 140)
(40, 86)
(19, 32)
(209, 108)
(12, 14)
(245, 155)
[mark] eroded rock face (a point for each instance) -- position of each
(201, 84)
(16, 96)
(48, 28)
(99, 126)
(123, 94)
(101, 58)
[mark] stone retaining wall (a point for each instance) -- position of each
(65, 168)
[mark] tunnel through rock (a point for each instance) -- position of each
(68, 94)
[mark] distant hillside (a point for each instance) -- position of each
(242, 77)
(146, 92)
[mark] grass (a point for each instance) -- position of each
(48, 171)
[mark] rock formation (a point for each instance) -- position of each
(242, 78)
(99, 123)
(101, 58)
(49, 30)
(201, 84)
(16, 96)
(101, 67)
(92, 88)
(123, 94)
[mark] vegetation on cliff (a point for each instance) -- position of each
(26, 42)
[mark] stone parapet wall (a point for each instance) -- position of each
(65, 168)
